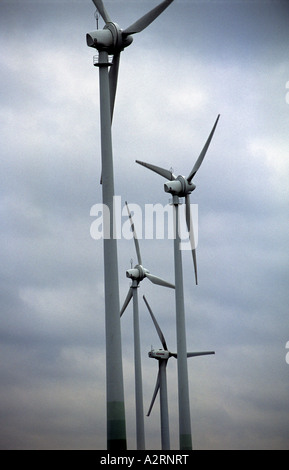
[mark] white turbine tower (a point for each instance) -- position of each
(162, 356)
(137, 274)
(180, 186)
(111, 40)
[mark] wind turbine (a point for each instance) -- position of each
(180, 186)
(162, 356)
(137, 274)
(112, 40)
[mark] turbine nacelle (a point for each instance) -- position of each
(111, 39)
(179, 187)
(138, 273)
(159, 354)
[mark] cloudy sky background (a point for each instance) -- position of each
(197, 60)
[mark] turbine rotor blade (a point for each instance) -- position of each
(155, 394)
(159, 281)
(203, 152)
(147, 19)
(204, 353)
(100, 6)
(191, 234)
(194, 354)
(127, 301)
(161, 171)
(136, 243)
(113, 76)
(159, 331)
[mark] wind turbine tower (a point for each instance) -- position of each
(162, 356)
(112, 40)
(138, 274)
(180, 186)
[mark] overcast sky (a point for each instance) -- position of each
(198, 59)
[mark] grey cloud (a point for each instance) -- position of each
(207, 58)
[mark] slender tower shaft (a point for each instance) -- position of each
(165, 427)
(116, 428)
(140, 432)
(183, 382)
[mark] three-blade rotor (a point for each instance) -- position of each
(183, 187)
(114, 40)
(161, 356)
(138, 273)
